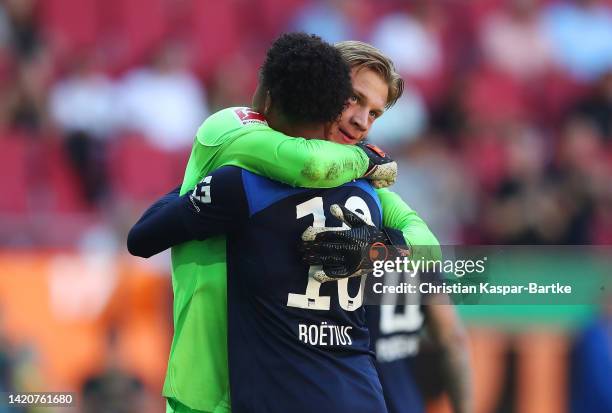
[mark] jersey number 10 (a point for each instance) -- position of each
(311, 300)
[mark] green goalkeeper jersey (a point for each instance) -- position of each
(197, 374)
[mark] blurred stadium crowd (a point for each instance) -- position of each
(504, 134)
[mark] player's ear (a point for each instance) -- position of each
(259, 98)
(267, 103)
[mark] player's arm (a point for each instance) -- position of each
(156, 229)
(448, 332)
(398, 215)
(309, 163)
(216, 206)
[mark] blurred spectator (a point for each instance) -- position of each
(83, 100)
(591, 366)
(483, 155)
(165, 101)
(597, 107)
(87, 157)
(513, 40)
(82, 105)
(7, 360)
(580, 31)
(584, 169)
(14, 362)
(5, 28)
(28, 376)
(333, 20)
(414, 37)
(402, 123)
(113, 390)
(434, 183)
(23, 29)
(601, 228)
(233, 83)
(582, 157)
(527, 205)
(493, 97)
(413, 47)
(448, 118)
(26, 98)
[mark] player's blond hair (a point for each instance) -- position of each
(362, 55)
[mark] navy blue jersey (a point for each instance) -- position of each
(294, 344)
(394, 331)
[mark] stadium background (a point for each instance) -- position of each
(503, 137)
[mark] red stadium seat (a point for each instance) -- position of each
(70, 24)
(142, 172)
(214, 33)
(494, 96)
(556, 94)
(484, 156)
(273, 16)
(132, 28)
(14, 151)
(41, 202)
(58, 181)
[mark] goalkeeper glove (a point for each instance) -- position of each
(346, 253)
(382, 170)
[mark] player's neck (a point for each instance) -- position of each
(302, 131)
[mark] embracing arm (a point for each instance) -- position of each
(160, 227)
(216, 206)
(309, 163)
(448, 332)
(398, 215)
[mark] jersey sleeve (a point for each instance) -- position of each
(309, 163)
(398, 215)
(254, 146)
(216, 206)
(155, 230)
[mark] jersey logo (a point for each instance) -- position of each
(248, 116)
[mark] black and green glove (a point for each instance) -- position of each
(345, 253)
(382, 170)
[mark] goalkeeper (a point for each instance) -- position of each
(197, 370)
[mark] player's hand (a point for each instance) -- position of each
(346, 253)
(382, 170)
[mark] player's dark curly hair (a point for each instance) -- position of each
(307, 78)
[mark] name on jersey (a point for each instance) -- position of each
(248, 116)
(397, 347)
(325, 334)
